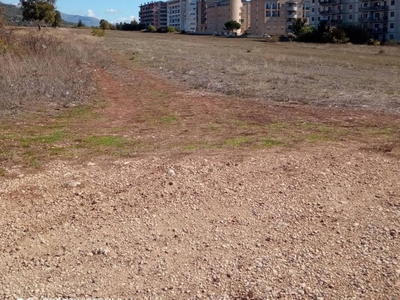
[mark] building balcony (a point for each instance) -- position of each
(291, 2)
(378, 30)
(374, 8)
(291, 8)
(336, 11)
(325, 2)
(325, 12)
(291, 16)
(335, 22)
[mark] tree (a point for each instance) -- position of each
(335, 35)
(104, 24)
(57, 19)
(298, 24)
(80, 23)
(232, 25)
(38, 10)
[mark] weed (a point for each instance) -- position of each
(106, 141)
(169, 119)
(239, 141)
(272, 142)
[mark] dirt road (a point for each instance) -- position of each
(203, 214)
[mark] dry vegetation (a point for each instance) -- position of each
(47, 69)
(327, 75)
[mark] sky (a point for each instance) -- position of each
(113, 11)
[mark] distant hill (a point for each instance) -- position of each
(12, 14)
(88, 21)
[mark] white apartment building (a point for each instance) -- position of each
(380, 18)
(182, 14)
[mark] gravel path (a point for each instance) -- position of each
(320, 223)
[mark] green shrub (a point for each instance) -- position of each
(151, 28)
(171, 29)
(392, 43)
(356, 34)
(335, 35)
(98, 31)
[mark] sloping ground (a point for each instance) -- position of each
(224, 199)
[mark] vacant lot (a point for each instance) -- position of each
(207, 168)
(322, 75)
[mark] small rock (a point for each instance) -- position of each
(171, 172)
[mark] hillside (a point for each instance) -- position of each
(88, 21)
(12, 14)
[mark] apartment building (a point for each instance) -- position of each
(154, 13)
(182, 14)
(380, 18)
(212, 15)
(275, 17)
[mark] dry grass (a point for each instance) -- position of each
(327, 75)
(50, 69)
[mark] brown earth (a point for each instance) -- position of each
(197, 213)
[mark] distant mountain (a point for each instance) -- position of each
(88, 21)
(12, 14)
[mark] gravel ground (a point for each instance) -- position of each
(320, 223)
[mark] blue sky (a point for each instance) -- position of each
(112, 11)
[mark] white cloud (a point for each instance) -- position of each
(125, 20)
(90, 13)
(113, 11)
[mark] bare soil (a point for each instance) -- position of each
(223, 198)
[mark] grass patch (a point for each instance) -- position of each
(315, 137)
(159, 94)
(169, 119)
(52, 138)
(268, 142)
(239, 141)
(106, 141)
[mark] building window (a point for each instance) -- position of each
(350, 6)
(392, 13)
(392, 2)
(312, 9)
(312, 19)
(319, 19)
(350, 17)
(391, 25)
(391, 37)
(313, 1)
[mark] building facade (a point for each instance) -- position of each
(182, 14)
(212, 15)
(380, 18)
(275, 17)
(154, 13)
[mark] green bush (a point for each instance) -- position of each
(356, 34)
(96, 31)
(392, 43)
(171, 29)
(335, 35)
(151, 28)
